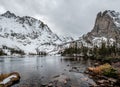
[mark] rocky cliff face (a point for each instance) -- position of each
(107, 25)
(106, 29)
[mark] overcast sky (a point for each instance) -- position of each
(64, 17)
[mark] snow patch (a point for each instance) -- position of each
(8, 79)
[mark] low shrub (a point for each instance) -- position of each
(111, 72)
(105, 69)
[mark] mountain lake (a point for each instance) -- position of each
(37, 71)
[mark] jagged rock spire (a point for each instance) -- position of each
(106, 27)
(8, 14)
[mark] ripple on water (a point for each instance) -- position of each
(36, 70)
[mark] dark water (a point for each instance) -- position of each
(35, 70)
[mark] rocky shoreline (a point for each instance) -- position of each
(103, 76)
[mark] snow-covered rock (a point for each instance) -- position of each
(9, 79)
(66, 39)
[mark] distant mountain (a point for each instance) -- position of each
(106, 29)
(27, 34)
(66, 39)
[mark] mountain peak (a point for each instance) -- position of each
(27, 34)
(8, 14)
(107, 22)
(107, 26)
(111, 13)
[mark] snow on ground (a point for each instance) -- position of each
(8, 79)
(115, 16)
(27, 34)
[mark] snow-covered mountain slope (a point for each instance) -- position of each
(106, 29)
(27, 34)
(66, 39)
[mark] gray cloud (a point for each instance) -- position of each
(64, 17)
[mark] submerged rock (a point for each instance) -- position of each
(60, 81)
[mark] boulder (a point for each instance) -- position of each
(11, 79)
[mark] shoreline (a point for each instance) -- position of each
(102, 80)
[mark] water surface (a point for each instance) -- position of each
(36, 70)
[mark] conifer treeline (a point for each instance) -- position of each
(109, 51)
(11, 50)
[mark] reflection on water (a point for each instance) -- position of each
(35, 70)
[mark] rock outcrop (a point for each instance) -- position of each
(106, 25)
(106, 29)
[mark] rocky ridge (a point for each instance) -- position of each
(27, 34)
